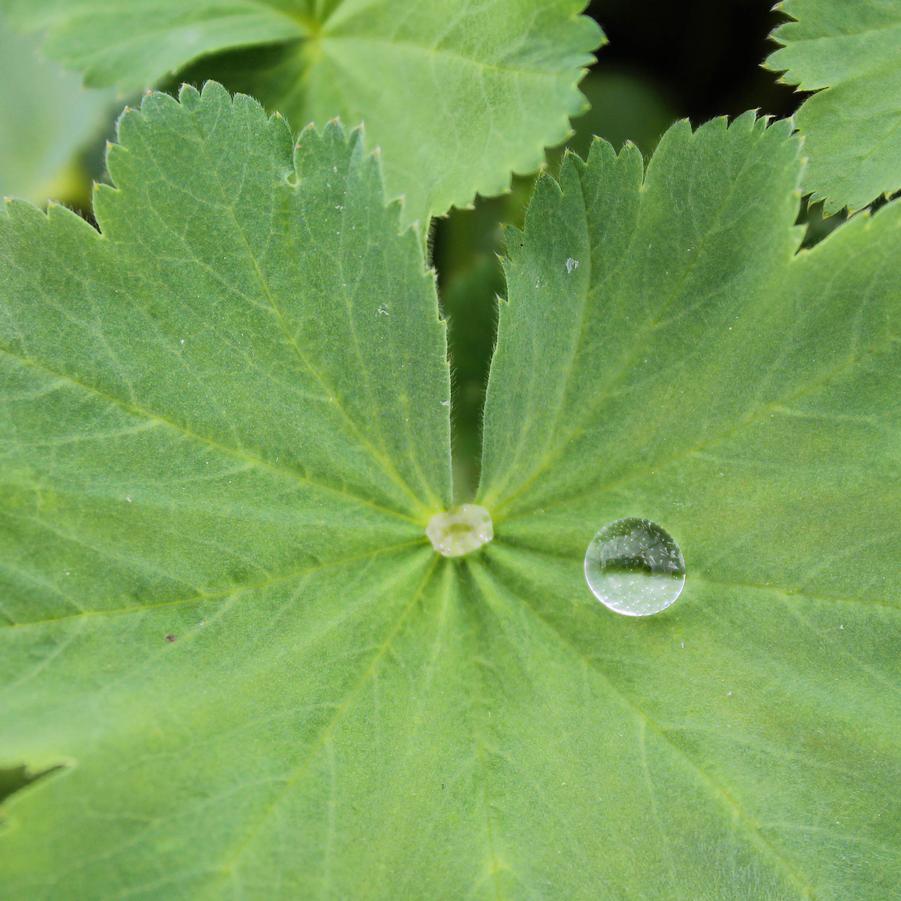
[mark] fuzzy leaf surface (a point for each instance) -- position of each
(667, 353)
(222, 429)
(850, 54)
(226, 624)
(458, 94)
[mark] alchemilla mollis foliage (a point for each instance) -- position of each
(848, 54)
(458, 93)
(248, 648)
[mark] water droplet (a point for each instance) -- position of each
(460, 530)
(571, 264)
(383, 310)
(634, 567)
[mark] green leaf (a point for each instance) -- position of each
(466, 245)
(222, 426)
(458, 95)
(227, 625)
(695, 370)
(132, 44)
(46, 117)
(848, 53)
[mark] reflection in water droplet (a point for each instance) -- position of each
(634, 567)
(460, 530)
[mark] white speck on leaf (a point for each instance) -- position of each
(383, 310)
(571, 264)
(128, 498)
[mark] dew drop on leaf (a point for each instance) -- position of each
(634, 567)
(460, 530)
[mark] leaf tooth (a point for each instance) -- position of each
(188, 95)
(154, 103)
(116, 163)
(213, 92)
(747, 121)
(21, 212)
(65, 221)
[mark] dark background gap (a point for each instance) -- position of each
(696, 59)
(706, 53)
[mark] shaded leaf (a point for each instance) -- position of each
(849, 54)
(458, 95)
(46, 117)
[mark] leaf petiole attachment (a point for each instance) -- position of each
(460, 530)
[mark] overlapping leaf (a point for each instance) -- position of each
(457, 94)
(46, 117)
(849, 54)
(225, 428)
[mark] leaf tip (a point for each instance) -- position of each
(188, 95)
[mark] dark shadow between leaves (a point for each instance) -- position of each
(14, 779)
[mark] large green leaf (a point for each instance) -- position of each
(224, 431)
(46, 117)
(693, 370)
(850, 53)
(457, 94)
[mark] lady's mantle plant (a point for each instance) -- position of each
(225, 429)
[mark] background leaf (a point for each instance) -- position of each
(131, 45)
(458, 95)
(848, 53)
(46, 118)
